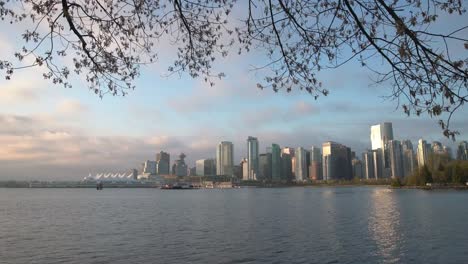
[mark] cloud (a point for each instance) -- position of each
(71, 107)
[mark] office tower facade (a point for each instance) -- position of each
(380, 135)
(163, 163)
(245, 169)
(205, 167)
(179, 168)
(252, 157)
(286, 167)
(264, 167)
(396, 159)
(409, 160)
(301, 164)
(315, 168)
(225, 158)
(424, 150)
(368, 165)
(357, 169)
(378, 164)
(462, 151)
(336, 161)
(292, 157)
(275, 162)
(149, 167)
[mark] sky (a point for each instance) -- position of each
(48, 132)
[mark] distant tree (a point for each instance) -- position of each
(107, 41)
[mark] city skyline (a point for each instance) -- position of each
(49, 132)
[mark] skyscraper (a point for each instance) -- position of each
(163, 161)
(424, 150)
(380, 135)
(286, 167)
(225, 158)
(408, 158)
(149, 167)
(180, 168)
(252, 157)
(264, 166)
(275, 162)
(315, 168)
(396, 159)
(205, 167)
(368, 165)
(301, 164)
(357, 169)
(336, 161)
(245, 169)
(292, 158)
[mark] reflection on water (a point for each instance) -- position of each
(283, 225)
(384, 224)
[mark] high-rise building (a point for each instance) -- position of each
(292, 157)
(424, 150)
(378, 164)
(180, 168)
(409, 163)
(315, 168)
(301, 164)
(163, 161)
(205, 167)
(245, 169)
(225, 158)
(380, 135)
(275, 162)
(149, 167)
(368, 165)
(336, 161)
(252, 157)
(396, 159)
(462, 151)
(286, 167)
(264, 167)
(357, 169)
(437, 148)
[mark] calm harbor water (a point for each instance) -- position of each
(283, 225)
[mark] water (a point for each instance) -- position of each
(284, 225)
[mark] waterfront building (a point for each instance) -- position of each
(378, 164)
(245, 169)
(380, 135)
(336, 161)
(163, 161)
(396, 159)
(368, 165)
(252, 157)
(149, 167)
(225, 158)
(286, 167)
(357, 169)
(462, 151)
(275, 162)
(409, 160)
(205, 167)
(315, 167)
(264, 167)
(180, 168)
(301, 164)
(424, 150)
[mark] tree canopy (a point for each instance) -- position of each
(107, 41)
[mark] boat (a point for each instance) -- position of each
(176, 187)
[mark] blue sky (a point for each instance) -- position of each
(48, 132)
